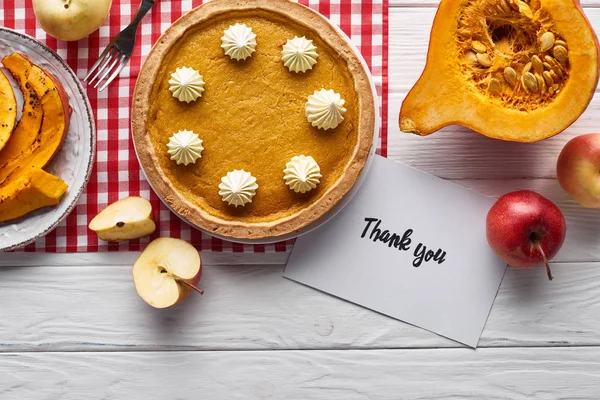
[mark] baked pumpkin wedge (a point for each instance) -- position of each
(509, 69)
(8, 110)
(30, 191)
(28, 127)
(55, 125)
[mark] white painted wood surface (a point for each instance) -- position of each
(72, 327)
(442, 374)
(252, 308)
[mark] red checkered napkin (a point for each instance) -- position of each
(117, 173)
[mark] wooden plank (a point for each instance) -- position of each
(459, 153)
(491, 374)
(124, 258)
(409, 39)
(254, 308)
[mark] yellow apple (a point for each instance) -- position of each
(71, 19)
(126, 219)
(167, 272)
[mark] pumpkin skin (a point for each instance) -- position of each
(45, 142)
(455, 91)
(8, 110)
(30, 191)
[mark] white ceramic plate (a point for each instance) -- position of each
(73, 162)
(342, 203)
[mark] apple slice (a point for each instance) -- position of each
(8, 110)
(126, 219)
(166, 272)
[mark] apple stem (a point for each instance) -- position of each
(190, 285)
(548, 271)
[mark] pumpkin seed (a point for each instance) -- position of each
(510, 75)
(513, 5)
(558, 69)
(478, 46)
(561, 54)
(541, 83)
(523, 85)
(527, 68)
(547, 66)
(484, 59)
(548, 78)
(558, 72)
(561, 43)
(547, 40)
(530, 82)
(554, 76)
(555, 66)
(471, 57)
(524, 9)
(537, 64)
(494, 86)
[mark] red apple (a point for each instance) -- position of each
(578, 169)
(525, 229)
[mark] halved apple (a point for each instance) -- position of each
(126, 219)
(166, 272)
(8, 110)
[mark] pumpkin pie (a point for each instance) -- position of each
(283, 108)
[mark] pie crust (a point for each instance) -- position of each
(201, 217)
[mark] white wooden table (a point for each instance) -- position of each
(72, 326)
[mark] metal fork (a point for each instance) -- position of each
(118, 52)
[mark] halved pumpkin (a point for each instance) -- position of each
(8, 110)
(31, 190)
(508, 69)
(55, 125)
(28, 127)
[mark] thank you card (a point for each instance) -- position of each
(410, 246)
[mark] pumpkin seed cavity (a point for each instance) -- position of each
(511, 54)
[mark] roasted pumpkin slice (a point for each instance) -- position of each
(55, 125)
(28, 127)
(30, 191)
(8, 110)
(509, 69)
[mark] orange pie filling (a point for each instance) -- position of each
(249, 114)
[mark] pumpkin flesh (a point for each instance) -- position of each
(8, 110)
(28, 127)
(46, 141)
(30, 191)
(474, 42)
